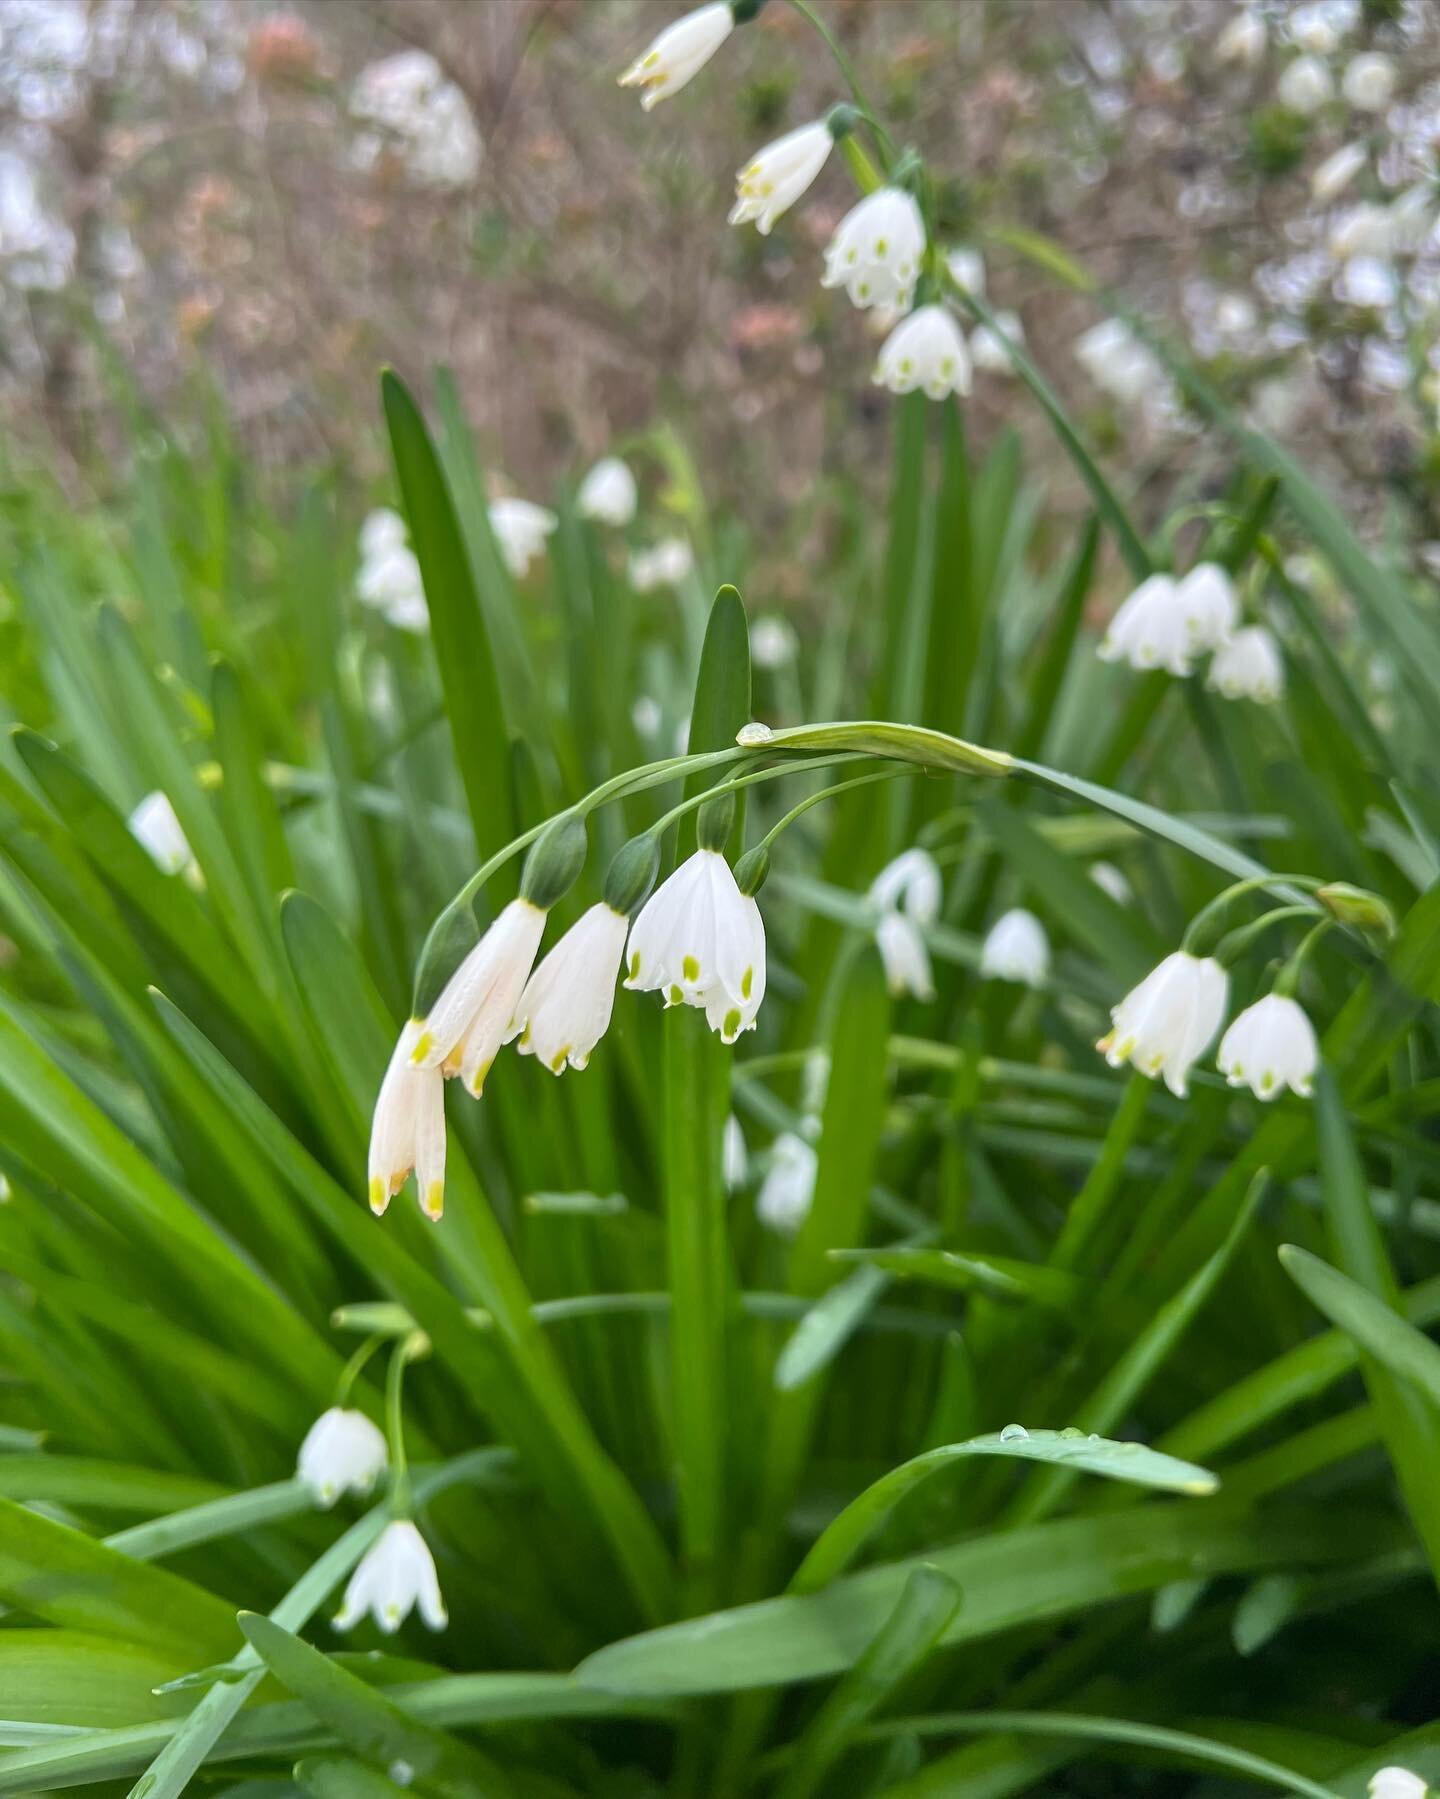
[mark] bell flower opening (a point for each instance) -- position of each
(927, 350)
(679, 53)
(877, 249)
(467, 1024)
(1206, 597)
(520, 528)
(1150, 630)
(565, 1008)
(394, 1576)
(1163, 1026)
(700, 942)
(1249, 667)
(343, 1452)
(407, 1129)
(775, 177)
(1270, 1046)
(1016, 949)
(608, 493)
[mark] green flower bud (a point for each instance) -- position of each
(841, 120)
(753, 870)
(743, 11)
(555, 861)
(632, 873)
(713, 825)
(1357, 906)
(451, 938)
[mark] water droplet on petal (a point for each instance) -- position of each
(1072, 1430)
(1014, 1433)
(401, 1773)
(749, 735)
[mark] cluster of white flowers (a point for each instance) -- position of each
(1127, 369)
(665, 564)
(388, 579)
(1166, 1024)
(1167, 623)
(906, 898)
(410, 107)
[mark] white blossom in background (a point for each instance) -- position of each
(464, 1029)
(1368, 82)
(1319, 27)
(1305, 85)
(775, 177)
(1166, 1024)
(1270, 1046)
(700, 942)
(1367, 281)
(772, 642)
(1016, 949)
(407, 1130)
(911, 882)
(1151, 629)
(734, 1157)
(388, 579)
(967, 269)
(1108, 878)
(665, 564)
(395, 1575)
(1338, 170)
(646, 715)
(521, 528)
(1248, 666)
(1243, 39)
(926, 351)
(157, 830)
(1364, 229)
(877, 249)
(565, 1008)
(38, 246)
(1396, 1783)
(788, 1189)
(1206, 597)
(987, 344)
(343, 1452)
(1116, 361)
(679, 53)
(608, 493)
(1412, 219)
(422, 114)
(904, 956)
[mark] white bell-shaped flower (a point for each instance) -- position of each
(1151, 629)
(772, 642)
(1166, 1024)
(1206, 596)
(608, 493)
(1119, 363)
(343, 1452)
(1016, 949)
(701, 942)
(565, 1008)
(775, 177)
(877, 249)
(382, 529)
(904, 956)
(1319, 26)
(987, 344)
(1369, 282)
(788, 1189)
(1243, 39)
(1369, 81)
(407, 1129)
(665, 564)
(679, 53)
(926, 350)
(1248, 666)
(911, 881)
(1365, 229)
(158, 831)
(395, 1575)
(1109, 879)
(1269, 1047)
(520, 528)
(1396, 1783)
(1305, 85)
(1339, 169)
(467, 1024)
(967, 269)
(734, 1157)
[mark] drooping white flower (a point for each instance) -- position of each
(1207, 598)
(775, 177)
(1116, 360)
(1305, 85)
(1368, 81)
(419, 113)
(788, 1189)
(343, 1452)
(1320, 26)
(701, 942)
(1270, 1046)
(987, 344)
(1248, 666)
(520, 528)
(1166, 1023)
(1016, 949)
(395, 1575)
(1338, 170)
(382, 529)
(565, 1008)
(904, 956)
(679, 53)
(1396, 1783)
(646, 715)
(665, 564)
(911, 881)
(157, 830)
(734, 1157)
(1361, 230)
(467, 1024)
(967, 269)
(1243, 40)
(1108, 878)
(877, 249)
(926, 350)
(388, 579)
(772, 642)
(407, 1129)
(1150, 630)
(1371, 282)
(608, 493)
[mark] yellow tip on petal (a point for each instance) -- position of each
(477, 1086)
(379, 1196)
(433, 1203)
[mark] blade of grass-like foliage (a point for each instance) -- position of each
(956, 618)
(341, 1777)
(1374, 1325)
(231, 1515)
(69, 1683)
(87, 1483)
(1000, 1277)
(906, 614)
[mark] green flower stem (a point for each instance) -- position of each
(350, 1373)
(1202, 926)
(1288, 979)
(408, 1349)
(1231, 947)
(852, 80)
(827, 793)
(721, 788)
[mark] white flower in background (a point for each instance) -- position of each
(467, 1024)
(775, 177)
(565, 1008)
(1016, 949)
(877, 249)
(1396, 1783)
(1368, 281)
(1108, 878)
(1206, 596)
(904, 956)
(734, 1157)
(646, 715)
(156, 829)
(967, 269)
(396, 1574)
(1243, 40)
(987, 344)
(701, 942)
(407, 1130)
(1368, 82)
(1270, 1046)
(1338, 170)
(1151, 629)
(1115, 360)
(1361, 230)
(772, 642)
(926, 350)
(343, 1452)
(911, 881)
(608, 494)
(1305, 85)
(679, 53)
(388, 579)
(788, 1189)
(382, 530)
(1320, 26)
(665, 564)
(1412, 218)
(1248, 666)
(419, 113)
(1166, 1023)
(520, 528)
